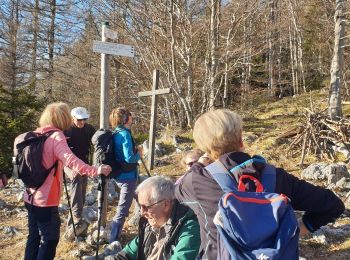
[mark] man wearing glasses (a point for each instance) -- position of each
(79, 140)
(167, 229)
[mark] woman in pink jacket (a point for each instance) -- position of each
(43, 218)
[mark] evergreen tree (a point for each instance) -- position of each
(18, 114)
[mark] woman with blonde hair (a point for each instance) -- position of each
(219, 134)
(42, 203)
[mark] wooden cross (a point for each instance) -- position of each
(154, 93)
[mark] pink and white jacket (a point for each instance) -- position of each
(56, 148)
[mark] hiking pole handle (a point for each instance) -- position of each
(144, 165)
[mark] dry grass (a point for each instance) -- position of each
(267, 120)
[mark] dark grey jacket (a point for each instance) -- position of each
(321, 205)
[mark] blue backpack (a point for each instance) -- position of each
(253, 225)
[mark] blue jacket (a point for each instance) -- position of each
(124, 151)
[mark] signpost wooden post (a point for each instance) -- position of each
(104, 83)
(106, 49)
(154, 93)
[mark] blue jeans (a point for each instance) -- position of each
(44, 232)
(127, 192)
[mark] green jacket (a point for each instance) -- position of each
(183, 238)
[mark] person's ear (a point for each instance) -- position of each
(167, 203)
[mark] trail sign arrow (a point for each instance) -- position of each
(113, 48)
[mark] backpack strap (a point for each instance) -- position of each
(222, 176)
(268, 178)
(226, 178)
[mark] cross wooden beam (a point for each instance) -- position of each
(154, 93)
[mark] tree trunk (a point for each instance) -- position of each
(295, 58)
(279, 67)
(299, 49)
(35, 28)
(227, 61)
(272, 47)
(291, 51)
(179, 92)
(334, 101)
(51, 46)
(214, 23)
(13, 29)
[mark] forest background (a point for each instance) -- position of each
(212, 53)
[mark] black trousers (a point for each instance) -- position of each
(44, 232)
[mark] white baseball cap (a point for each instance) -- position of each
(80, 113)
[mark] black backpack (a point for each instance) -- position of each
(28, 159)
(102, 141)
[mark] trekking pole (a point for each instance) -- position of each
(144, 165)
(71, 213)
(100, 199)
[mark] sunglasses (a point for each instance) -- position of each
(190, 163)
(80, 120)
(148, 207)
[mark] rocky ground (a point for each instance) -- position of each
(13, 228)
(263, 124)
(332, 241)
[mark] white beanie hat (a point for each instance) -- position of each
(80, 113)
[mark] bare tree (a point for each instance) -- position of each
(10, 44)
(34, 47)
(271, 38)
(206, 51)
(51, 45)
(334, 101)
(215, 6)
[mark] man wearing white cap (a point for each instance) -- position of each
(79, 140)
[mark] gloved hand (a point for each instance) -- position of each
(104, 169)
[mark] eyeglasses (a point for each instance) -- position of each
(190, 163)
(147, 208)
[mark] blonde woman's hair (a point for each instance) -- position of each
(57, 115)
(218, 132)
(119, 116)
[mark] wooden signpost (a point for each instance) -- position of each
(154, 94)
(106, 49)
